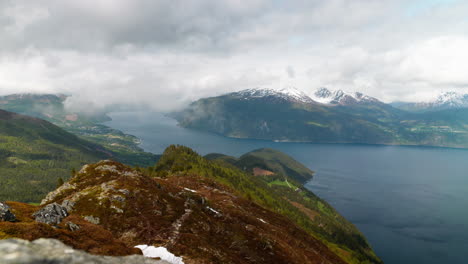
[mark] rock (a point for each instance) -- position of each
(17, 251)
(92, 219)
(73, 227)
(68, 205)
(59, 191)
(5, 214)
(51, 214)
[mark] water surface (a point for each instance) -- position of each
(410, 202)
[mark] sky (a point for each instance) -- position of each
(165, 54)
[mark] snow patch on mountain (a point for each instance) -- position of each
(340, 97)
(450, 100)
(159, 252)
(290, 94)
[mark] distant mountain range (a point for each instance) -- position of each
(446, 100)
(329, 117)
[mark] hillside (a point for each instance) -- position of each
(199, 210)
(35, 154)
(87, 125)
(328, 117)
(270, 161)
(284, 177)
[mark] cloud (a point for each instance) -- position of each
(291, 72)
(166, 53)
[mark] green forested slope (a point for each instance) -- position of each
(35, 154)
(87, 125)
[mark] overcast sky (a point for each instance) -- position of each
(167, 53)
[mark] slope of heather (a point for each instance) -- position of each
(194, 216)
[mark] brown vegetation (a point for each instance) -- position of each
(261, 172)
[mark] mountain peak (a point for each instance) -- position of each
(340, 97)
(288, 93)
(445, 100)
(451, 99)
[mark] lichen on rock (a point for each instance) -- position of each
(92, 219)
(5, 214)
(51, 214)
(14, 251)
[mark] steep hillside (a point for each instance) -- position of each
(280, 173)
(87, 125)
(35, 154)
(289, 199)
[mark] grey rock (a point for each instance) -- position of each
(92, 219)
(68, 205)
(5, 214)
(51, 251)
(73, 227)
(51, 214)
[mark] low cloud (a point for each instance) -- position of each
(164, 54)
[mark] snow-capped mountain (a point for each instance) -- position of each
(289, 94)
(446, 100)
(340, 97)
(451, 100)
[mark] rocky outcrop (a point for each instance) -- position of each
(51, 214)
(5, 214)
(16, 251)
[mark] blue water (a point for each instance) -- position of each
(410, 202)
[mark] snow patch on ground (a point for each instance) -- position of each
(159, 252)
(214, 211)
(190, 190)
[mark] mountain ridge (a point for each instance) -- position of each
(344, 119)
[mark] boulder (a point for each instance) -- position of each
(5, 214)
(51, 214)
(14, 251)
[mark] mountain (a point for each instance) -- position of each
(275, 116)
(340, 97)
(445, 101)
(51, 107)
(287, 94)
(198, 210)
(327, 117)
(35, 154)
